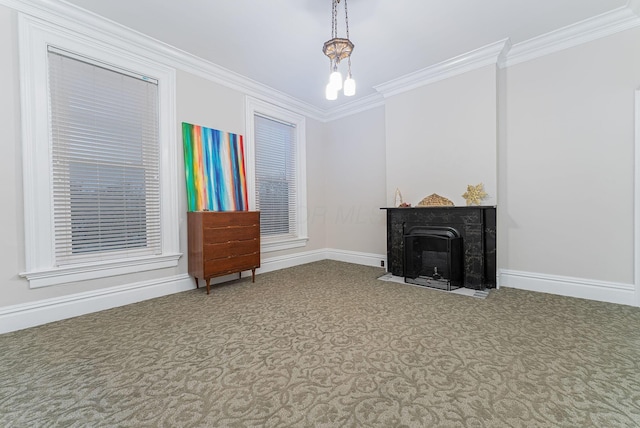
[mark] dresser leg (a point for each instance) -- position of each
(253, 275)
(197, 285)
(208, 279)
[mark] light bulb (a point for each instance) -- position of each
(335, 80)
(349, 86)
(331, 93)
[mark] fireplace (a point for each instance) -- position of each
(474, 225)
(433, 257)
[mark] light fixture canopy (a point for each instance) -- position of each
(337, 49)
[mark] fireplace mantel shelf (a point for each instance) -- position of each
(441, 207)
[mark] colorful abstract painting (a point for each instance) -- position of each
(214, 169)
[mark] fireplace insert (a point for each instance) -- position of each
(476, 225)
(433, 257)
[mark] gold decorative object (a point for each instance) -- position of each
(435, 200)
(474, 194)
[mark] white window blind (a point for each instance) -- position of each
(275, 178)
(105, 161)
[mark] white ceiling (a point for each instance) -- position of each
(278, 43)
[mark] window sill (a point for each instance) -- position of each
(55, 276)
(267, 247)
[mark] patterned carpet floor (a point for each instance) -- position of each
(328, 345)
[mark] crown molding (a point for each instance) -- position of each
(501, 53)
(71, 17)
(493, 53)
(353, 107)
(222, 76)
(606, 24)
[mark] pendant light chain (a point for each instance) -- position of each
(334, 19)
(346, 19)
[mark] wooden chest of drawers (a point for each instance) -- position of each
(221, 243)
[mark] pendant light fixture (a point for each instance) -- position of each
(338, 49)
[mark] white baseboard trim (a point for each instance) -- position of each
(21, 316)
(290, 260)
(271, 264)
(602, 291)
(18, 317)
(367, 259)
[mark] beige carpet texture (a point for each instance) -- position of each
(327, 344)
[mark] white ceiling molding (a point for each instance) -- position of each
(588, 30)
(366, 103)
(493, 53)
(500, 53)
(72, 18)
(230, 79)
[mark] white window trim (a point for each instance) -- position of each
(35, 36)
(254, 106)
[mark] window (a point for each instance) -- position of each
(276, 167)
(106, 203)
(105, 152)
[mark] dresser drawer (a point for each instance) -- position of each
(231, 249)
(222, 219)
(231, 264)
(226, 234)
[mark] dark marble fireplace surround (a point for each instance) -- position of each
(475, 224)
